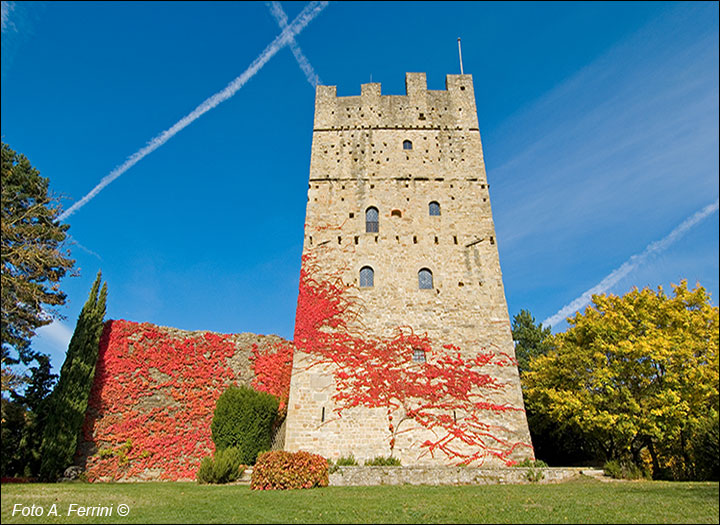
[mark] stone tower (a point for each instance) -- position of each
(399, 211)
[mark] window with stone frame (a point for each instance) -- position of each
(367, 277)
(372, 220)
(425, 279)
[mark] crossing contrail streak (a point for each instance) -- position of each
(282, 20)
(632, 263)
(288, 33)
(5, 9)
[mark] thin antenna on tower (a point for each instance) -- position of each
(460, 53)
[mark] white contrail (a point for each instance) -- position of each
(303, 19)
(5, 8)
(632, 263)
(282, 20)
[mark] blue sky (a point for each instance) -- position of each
(599, 124)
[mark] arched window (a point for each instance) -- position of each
(396, 213)
(407, 144)
(367, 277)
(371, 220)
(434, 208)
(425, 279)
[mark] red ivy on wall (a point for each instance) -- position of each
(272, 369)
(447, 393)
(152, 401)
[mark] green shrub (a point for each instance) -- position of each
(243, 419)
(382, 461)
(346, 461)
(289, 470)
(534, 466)
(537, 463)
(620, 469)
(225, 467)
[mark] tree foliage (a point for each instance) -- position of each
(68, 402)
(33, 256)
(531, 340)
(637, 375)
(561, 446)
(23, 422)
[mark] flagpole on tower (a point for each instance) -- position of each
(460, 53)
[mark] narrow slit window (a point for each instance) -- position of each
(434, 208)
(425, 279)
(367, 277)
(372, 220)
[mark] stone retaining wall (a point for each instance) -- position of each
(366, 476)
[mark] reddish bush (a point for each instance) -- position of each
(278, 469)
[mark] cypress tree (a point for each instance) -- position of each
(68, 402)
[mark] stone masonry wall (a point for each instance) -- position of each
(153, 399)
(358, 161)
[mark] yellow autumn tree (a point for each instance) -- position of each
(638, 376)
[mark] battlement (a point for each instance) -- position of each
(419, 108)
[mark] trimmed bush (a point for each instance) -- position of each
(382, 461)
(243, 419)
(223, 468)
(289, 470)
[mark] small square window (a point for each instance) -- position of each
(418, 355)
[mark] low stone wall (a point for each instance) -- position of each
(365, 476)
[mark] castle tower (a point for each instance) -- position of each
(398, 215)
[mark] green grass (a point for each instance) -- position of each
(577, 502)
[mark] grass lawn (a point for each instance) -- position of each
(585, 501)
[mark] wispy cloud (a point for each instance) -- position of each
(288, 33)
(282, 20)
(608, 144)
(57, 335)
(632, 263)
